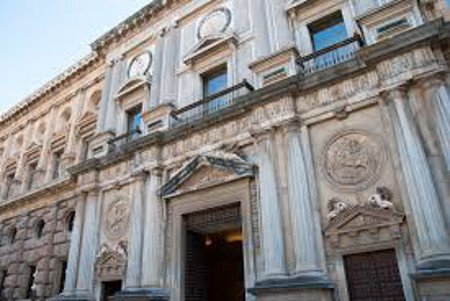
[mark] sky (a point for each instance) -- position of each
(41, 38)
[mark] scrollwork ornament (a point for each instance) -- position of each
(352, 159)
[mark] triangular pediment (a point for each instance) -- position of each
(364, 217)
(208, 44)
(205, 171)
(132, 85)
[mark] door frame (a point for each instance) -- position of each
(402, 264)
(234, 192)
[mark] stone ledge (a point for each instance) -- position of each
(297, 283)
(150, 294)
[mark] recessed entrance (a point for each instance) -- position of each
(373, 276)
(109, 288)
(214, 268)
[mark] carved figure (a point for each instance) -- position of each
(381, 199)
(336, 206)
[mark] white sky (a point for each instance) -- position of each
(41, 38)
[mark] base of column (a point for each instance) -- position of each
(432, 284)
(144, 294)
(73, 297)
(296, 288)
(434, 263)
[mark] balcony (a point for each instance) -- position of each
(330, 56)
(209, 105)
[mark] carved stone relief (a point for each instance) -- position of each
(214, 23)
(111, 262)
(266, 115)
(352, 224)
(117, 219)
(352, 160)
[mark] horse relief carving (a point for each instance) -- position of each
(352, 160)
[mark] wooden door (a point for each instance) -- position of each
(373, 276)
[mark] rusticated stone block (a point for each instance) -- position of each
(61, 250)
(13, 268)
(59, 237)
(11, 280)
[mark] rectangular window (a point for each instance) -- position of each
(32, 172)
(214, 82)
(328, 31)
(57, 156)
(8, 186)
(2, 282)
(134, 118)
(30, 283)
(62, 276)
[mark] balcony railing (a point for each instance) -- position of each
(209, 105)
(330, 56)
(116, 141)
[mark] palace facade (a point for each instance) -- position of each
(233, 150)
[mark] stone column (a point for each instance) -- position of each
(155, 92)
(259, 25)
(432, 236)
(152, 244)
(438, 95)
(169, 79)
(305, 223)
(104, 102)
(118, 74)
(277, 24)
(75, 246)
(88, 245)
(134, 265)
(271, 224)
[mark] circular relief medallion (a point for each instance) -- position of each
(117, 219)
(352, 159)
(140, 64)
(214, 23)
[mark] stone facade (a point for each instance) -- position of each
(329, 152)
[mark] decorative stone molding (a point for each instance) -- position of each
(140, 64)
(111, 263)
(214, 23)
(205, 171)
(352, 159)
(351, 224)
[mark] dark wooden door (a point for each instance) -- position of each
(373, 276)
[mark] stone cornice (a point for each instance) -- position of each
(129, 24)
(59, 81)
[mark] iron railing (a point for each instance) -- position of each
(330, 56)
(209, 105)
(130, 135)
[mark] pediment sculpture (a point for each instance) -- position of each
(351, 223)
(111, 262)
(206, 171)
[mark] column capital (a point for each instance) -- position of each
(398, 92)
(433, 81)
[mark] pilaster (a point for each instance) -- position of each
(134, 266)
(271, 225)
(437, 93)
(308, 247)
(433, 244)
